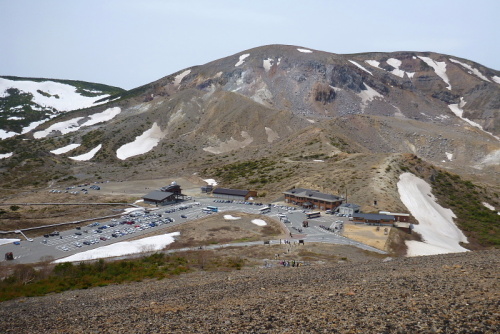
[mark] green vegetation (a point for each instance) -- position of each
(465, 199)
(26, 281)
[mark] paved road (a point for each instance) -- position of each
(69, 243)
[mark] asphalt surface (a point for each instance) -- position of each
(69, 242)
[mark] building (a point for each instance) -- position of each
(234, 194)
(373, 219)
(159, 197)
(399, 217)
(312, 199)
(166, 195)
(207, 189)
(348, 208)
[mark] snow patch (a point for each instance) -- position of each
(65, 149)
(368, 95)
(142, 144)
(229, 217)
(5, 155)
(361, 67)
(439, 232)
(15, 118)
(304, 50)
(89, 155)
(149, 244)
(267, 63)
(73, 124)
(211, 182)
(472, 69)
(178, 78)
(396, 63)
(271, 135)
(439, 69)
(8, 241)
(259, 222)
(458, 111)
(489, 206)
(449, 156)
(242, 59)
(373, 63)
(496, 79)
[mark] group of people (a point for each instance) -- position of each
(286, 263)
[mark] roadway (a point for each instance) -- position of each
(68, 241)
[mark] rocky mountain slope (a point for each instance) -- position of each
(277, 116)
(455, 293)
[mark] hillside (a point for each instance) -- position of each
(455, 293)
(279, 116)
(25, 103)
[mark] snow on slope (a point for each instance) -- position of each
(259, 222)
(67, 98)
(368, 95)
(73, 124)
(304, 50)
(267, 64)
(142, 144)
(361, 67)
(64, 149)
(458, 111)
(179, 77)
(439, 68)
(436, 226)
(242, 59)
(471, 69)
(496, 79)
(5, 155)
(373, 63)
(89, 155)
(149, 244)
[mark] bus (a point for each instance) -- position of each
(213, 208)
(313, 214)
(265, 209)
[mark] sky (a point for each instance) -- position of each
(129, 43)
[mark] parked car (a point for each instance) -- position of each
(183, 216)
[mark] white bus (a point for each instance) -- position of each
(265, 209)
(314, 214)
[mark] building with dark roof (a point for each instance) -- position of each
(233, 194)
(312, 199)
(159, 197)
(373, 219)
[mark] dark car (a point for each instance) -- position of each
(183, 216)
(46, 235)
(86, 243)
(103, 238)
(78, 233)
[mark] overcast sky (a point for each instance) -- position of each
(129, 43)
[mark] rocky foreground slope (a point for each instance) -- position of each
(455, 293)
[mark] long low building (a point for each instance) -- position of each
(159, 197)
(312, 199)
(233, 194)
(373, 219)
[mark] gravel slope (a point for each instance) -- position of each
(454, 293)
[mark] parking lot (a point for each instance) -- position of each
(137, 223)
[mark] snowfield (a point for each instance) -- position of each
(89, 155)
(211, 182)
(361, 67)
(65, 149)
(62, 97)
(73, 124)
(472, 69)
(436, 226)
(242, 59)
(496, 79)
(439, 68)
(229, 217)
(142, 144)
(259, 222)
(304, 50)
(5, 155)
(149, 244)
(8, 241)
(267, 63)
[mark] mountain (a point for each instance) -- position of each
(279, 116)
(25, 103)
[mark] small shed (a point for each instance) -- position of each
(349, 208)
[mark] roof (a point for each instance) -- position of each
(314, 194)
(373, 216)
(157, 195)
(394, 213)
(232, 192)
